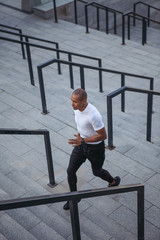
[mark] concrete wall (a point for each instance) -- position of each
(27, 5)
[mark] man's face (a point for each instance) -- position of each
(77, 103)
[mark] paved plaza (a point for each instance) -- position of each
(23, 165)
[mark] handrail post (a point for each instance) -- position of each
(71, 71)
(41, 85)
(134, 11)
(86, 17)
(149, 116)
(143, 31)
(110, 122)
(82, 77)
(55, 11)
(140, 209)
(145, 25)
(97, 18)
(58, 57)
(75, 220)
(100, 76)
(123, 29)
(107, 21)
(123, 93)
(49, 159)
(148, 16)
(75, 11)
(115, 23)
(151, 83)
(129, 27)
(29, 61)
(22, 45)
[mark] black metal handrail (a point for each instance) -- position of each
(72, 197)
(144, 25)
(58, 51)
(27, 39)
(107, 11)
(82, 79)
(20, 35)
(149, 111)
(55, 11)
(46, 135)
(149, 7)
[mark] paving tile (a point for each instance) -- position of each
(23, 181)
(153, 215)
(37, 160)
(152, 195)
(48, 121)
(12, 230)
(13, 145)
(28, 170)
(43, 232)
(154, 181)
(130, 221)
(112, 227)
(2, 237)
(151, 232)
(13, 189)
(53, 220)
(145, 158)
(14, 102)
(21, 120)
(104, 204)
(131, 166)
(3, 106)
(24, 217)
(87, 227)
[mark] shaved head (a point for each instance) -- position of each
(81, 93)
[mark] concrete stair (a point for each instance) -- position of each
(23, 171)
(46, 10)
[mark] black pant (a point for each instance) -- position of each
(95, 153)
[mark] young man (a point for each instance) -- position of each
(88, 143)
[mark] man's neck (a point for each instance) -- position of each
(83, 107)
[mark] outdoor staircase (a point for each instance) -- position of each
(23, 170)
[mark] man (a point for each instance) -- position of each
(88, 143)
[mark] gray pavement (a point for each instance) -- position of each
(23, 170)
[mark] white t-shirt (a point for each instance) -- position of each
(88, 122)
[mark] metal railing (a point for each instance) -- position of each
(26, 39)
(107, 11)
(149, 111)
(55, 11)
(20, 36)
(149, 7)
(58, 51)
(82, 79)
(44, 133)
(74, 197)
(75, 9)
(144, 25)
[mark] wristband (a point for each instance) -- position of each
(82, 141)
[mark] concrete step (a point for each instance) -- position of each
(13, 230)
(46, 10)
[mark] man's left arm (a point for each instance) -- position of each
(100, 136)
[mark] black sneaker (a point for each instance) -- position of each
(117, 180)
(66, 206)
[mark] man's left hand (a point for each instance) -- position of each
(76, 141)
